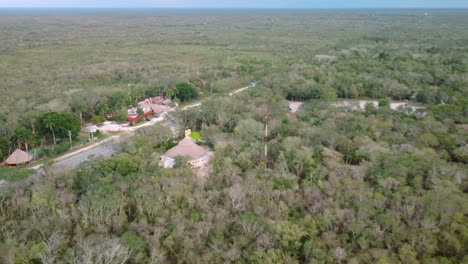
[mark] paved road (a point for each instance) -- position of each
(101, 149)
(72, 160)
(104, 150)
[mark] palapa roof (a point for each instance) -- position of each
(18, 157)
(186, 147)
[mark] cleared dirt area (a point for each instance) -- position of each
(294, 106)
(361, 104)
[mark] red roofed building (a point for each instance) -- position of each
(149, 106)
(133, 113)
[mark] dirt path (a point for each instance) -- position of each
(190, 106)
(241, 89)
(153, 121)
(231, 93)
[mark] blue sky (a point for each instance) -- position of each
(238, 3)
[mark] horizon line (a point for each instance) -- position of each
(136, 7)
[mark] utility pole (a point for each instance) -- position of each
(69, 136)
(90, 134)
(266, 140)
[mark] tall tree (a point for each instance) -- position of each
(185, 91)
(23, 136)
(79, 107)
(49, 121)
(102, 107)
(58, 124)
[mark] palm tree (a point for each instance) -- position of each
(49, 123)
(80, 107)
(23, 135)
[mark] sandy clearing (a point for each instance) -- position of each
(294, 106)
(361, 104)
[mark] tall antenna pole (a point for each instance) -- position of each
(266, 140)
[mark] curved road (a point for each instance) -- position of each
(107, 149)
(104, 148)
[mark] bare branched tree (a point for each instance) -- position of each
(49, 254)
(340, 254)
(236, 194)
(109, 251)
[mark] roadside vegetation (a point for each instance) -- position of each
(340, 185)
(13, 174)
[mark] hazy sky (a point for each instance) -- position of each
(239, 3)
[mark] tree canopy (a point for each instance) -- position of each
(185, 91)
(58, 124)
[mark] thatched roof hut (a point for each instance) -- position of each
(198, 156)
(186, 147)
(18, 157)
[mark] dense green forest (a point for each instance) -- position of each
(340, 185)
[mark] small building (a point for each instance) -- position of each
(187, 147)
(149, 106)
(18, 157)
(133, 113)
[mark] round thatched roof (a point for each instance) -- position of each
(186, 147)
(18, 157)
